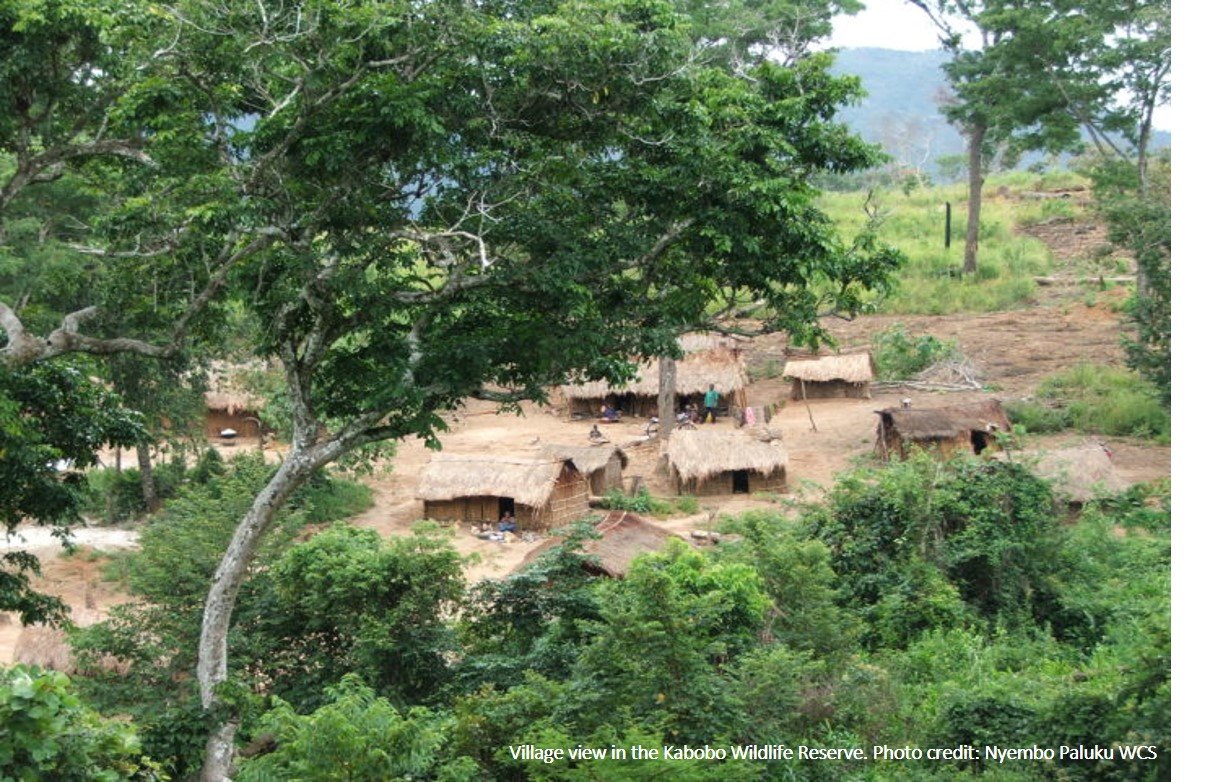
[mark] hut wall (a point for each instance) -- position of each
(609, 477)
(216, 420)
(830, 389)
(940, 447)
(722, 483)
(466, 509)
(569, 501)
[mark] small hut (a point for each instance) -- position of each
(943, 430)
(540, 492)
(1080, 472)
(706, 463)
(601, 466)
(228, 405)
(828, 377)
(622, 537)
(234, 411)
(707, 361)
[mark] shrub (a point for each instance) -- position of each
(899, 356)
(49, 734)
(1104, 400)
(643, 502)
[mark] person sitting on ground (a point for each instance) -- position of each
(609, 415)
(508, 523)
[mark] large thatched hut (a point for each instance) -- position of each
(1079, 472)
(829, 377)
(540, 492)
(943, 430)
(705, 462)
(601, 465)
(622, 537)
(707, 361)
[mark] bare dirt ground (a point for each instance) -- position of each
(1075, 322)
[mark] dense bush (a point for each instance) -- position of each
(48, 734)
(900, 356)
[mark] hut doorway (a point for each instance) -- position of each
(979, 441)
(741, 482)
(506, 506)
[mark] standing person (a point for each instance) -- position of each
(711, 400)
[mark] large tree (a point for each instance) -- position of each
(1035, 75)
(423, 203)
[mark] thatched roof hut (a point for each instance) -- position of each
(1080, 472)
(229, 405)
(826, 377)
(622, 537)
(742, 462)
(539, 492)
(721, 365)
(943, 430)
(601, 465)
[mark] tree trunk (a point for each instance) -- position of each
(148, 485)
(667, 371)
(975, 195)
(213, 666)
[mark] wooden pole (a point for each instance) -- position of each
(809, 412)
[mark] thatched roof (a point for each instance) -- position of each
(624, 536)
(528, 481)
(225, 391)
(701, 454)
(1080, 471)
(850, 368)
(945, 422)
(723, 368)
(587, 459)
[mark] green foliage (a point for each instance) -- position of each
(665, 630)
(642, 502)
(1037, 418)
(355, 735)
(1138, 219)
(985, 527)
(533, 620)
(118, 496)
(49, 734)
(53, 421)
(899, 356)
(797, 576)
(1105, 400)
(371, 607)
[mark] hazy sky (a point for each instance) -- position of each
(897, 24)
(886, 24)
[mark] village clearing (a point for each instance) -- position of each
(1011, 352)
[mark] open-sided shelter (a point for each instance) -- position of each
(540, 492)
(622, 537)
(707, 361)
(943, 430)
(829, 377)
(705, 462)
(601, 465)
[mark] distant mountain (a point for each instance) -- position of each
(902, 112)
